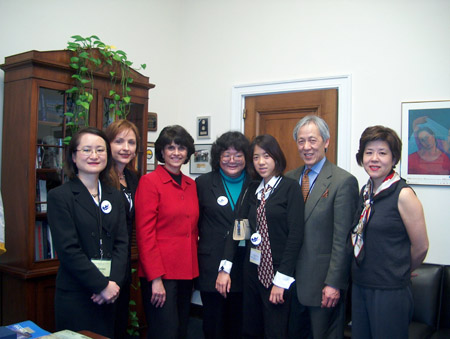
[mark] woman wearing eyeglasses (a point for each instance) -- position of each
(220, 195)
(87, 221)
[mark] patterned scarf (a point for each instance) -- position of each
(368, 196)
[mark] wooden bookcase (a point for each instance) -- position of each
(33, 153)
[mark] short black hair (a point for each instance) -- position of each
(381, 133)
(237, 140)
(269, 144)
(71, 168)
(177, 135)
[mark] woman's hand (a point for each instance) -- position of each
(109, 294)
(223, 283)
(158, 293)
(276, 295)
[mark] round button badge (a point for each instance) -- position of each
(255, 239)
(222, 200)
(106, 206)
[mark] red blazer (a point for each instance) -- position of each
(166, 226)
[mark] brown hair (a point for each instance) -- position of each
(382, 133)
(111, 132)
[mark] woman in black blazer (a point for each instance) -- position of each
(220, 195)
(276, 216)
(87, 220)
(124, 140)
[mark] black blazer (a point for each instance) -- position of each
(132, 182)
(73, 218)
(215, 223)
(285, 221)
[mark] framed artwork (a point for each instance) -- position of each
(199, 162)
(152, 122)
(151, 159)
(203, 128)
(426, 142)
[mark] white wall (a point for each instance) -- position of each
(197, 50)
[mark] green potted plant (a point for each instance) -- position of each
(90, 55)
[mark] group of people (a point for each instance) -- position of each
(271, 254)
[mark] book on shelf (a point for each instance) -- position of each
(43, 247)
(43, 195)
(38, 246)
(51, 249)
(27, 329)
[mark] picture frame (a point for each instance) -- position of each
(200, 160)
(152, 122)
(151, 158)
(203, 127)
(426, 142)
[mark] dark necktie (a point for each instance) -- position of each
(265, 268)
(305, 184)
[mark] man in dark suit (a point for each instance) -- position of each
(331, 196)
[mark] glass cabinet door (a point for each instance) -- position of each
(51, 131)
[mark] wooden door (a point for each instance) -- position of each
(277, 114)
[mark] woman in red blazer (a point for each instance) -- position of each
(167, 236)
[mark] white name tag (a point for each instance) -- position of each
(103, 266)
(255, 256)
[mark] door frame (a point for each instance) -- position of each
(341, 83)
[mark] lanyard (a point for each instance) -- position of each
(99, 221)
(236, 210)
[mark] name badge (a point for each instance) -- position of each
(103, 266)
(255, 256)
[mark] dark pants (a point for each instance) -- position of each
(122, 311)
(299, 319)
(222, 317)
(328, 323)
(171, 320)
(262, 319)
(381, 314)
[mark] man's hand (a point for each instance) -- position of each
(330, 297)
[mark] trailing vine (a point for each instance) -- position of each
(91, 55)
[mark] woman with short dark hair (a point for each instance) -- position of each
(167, 235)
(87, 220)
(276, 217)
(220, 195)
(389, 241)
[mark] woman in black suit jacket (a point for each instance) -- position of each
(220, 195)
(276, 216)
(124, 140)
(87, 220)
